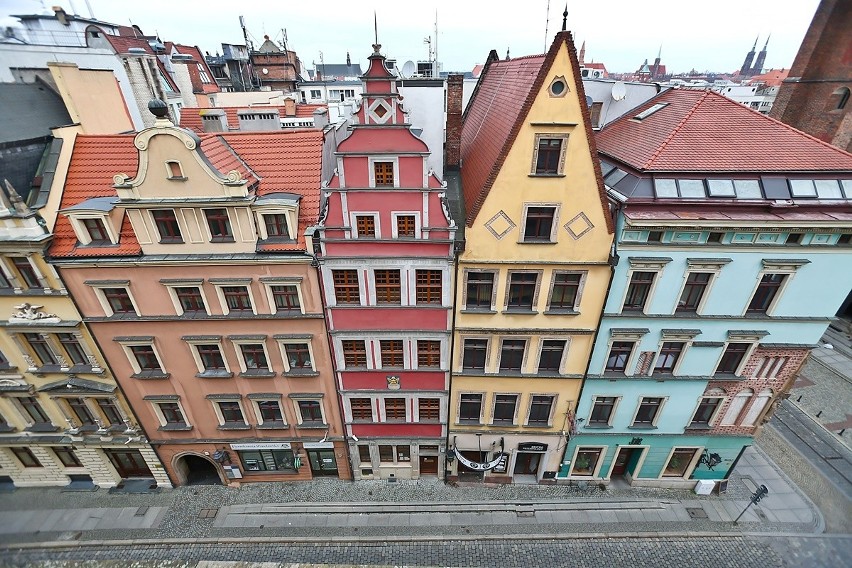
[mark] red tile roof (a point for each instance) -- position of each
(286, 161)
(193, 50)
(702, 131)
(494, 116)
(190, 118)
(771, 78)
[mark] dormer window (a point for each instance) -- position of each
(174, 171)
(97, 232)
(276, 226)
(220, 225)
(167, 225)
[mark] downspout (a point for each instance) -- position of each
(457, 247)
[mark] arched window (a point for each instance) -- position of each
(737, 404)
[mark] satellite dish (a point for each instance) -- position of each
(589, 101)
(408, 69)
(619, 91)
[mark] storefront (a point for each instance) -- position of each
(396, 459)
(504, 459)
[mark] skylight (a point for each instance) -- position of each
(649, 111)
(748, 189)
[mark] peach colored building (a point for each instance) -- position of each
(187, 258)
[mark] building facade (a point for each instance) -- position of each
(533, 274)
(385, 248)
(712, 309)
(188, 260)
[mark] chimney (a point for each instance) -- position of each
(214, 120)
(455, 86)
(61, 15)
(289, 107)
(321, 118)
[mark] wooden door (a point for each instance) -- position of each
(428, 465)
(129, 463)
(621, 461)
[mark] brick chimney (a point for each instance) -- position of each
(289, 107)
(455, 86)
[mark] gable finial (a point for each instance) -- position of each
(565, 18)
(376, 26)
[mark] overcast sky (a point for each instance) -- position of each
(620, 33)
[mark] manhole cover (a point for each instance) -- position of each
(525, 513)
(208, 513)
(696, 513)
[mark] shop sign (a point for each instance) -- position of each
(262, 446)
(532, 447)
(501, 465)
(318, 445)
(481, 466)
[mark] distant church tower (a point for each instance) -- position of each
(761, 57)
(815, 95)
(745, 70)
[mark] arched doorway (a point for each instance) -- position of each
(197, 470)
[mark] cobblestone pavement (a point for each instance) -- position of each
(824, 391)
(686, 552)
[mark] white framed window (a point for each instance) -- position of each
(114, 296)
(470, 405)
(541, 409)
(187, 296)
(623, 351)
(277, 223)
(143, 356)
(475, 353)
(174, 170)
(504, 409)
(603, 411)
(522, 288)
(770, 285)
(235, 295)
(697, 284)
(268, 410)
(549, 152)
(297, 354)
(284, 295)
(566, 290)
(642, 281)
(480, 289)
(229, 411)
(252, 355)
(648, 411)
(708, 408)
(671, 351)
(406, 224)
(384, 171)
(208, 355)
(680, 462)
(735, 356)
(21, 273)
(169, 412)
(309, 409)
(552, 355)
(365, 225)
(94, 229)
(540, 223)
(587, 461)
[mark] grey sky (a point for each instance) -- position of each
(621, 33)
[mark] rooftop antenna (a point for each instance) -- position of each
(565, 18)
(376, 27)
(546, 24)
(435, 70)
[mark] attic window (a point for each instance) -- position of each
(649, 111)
(558, 87)
(174, 170)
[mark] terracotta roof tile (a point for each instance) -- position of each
(702, 131)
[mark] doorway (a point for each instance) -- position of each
(428, 465)
(621, 461)
(198, 471)
(322, 462)
(467, 474)
(128, 463)
(527, 463)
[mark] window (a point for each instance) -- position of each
(384, 173)
(428, 354)
(602, 410)
(310, 411)
(638, 290)
(770, 367)
(33, 410)
(522, 286)
(6, 285)
(286, 298)
(269, 411)
(538, 227)
(119, 300)
(595, 114)
(316, 94)
(429, 409)
(254, 356)
(109, 409)
(794, 239)
(81, 411)
(346, 289)
(512, 354)
(549, 155)
(174, 170)
(237, 298)
(395, 409)
(365, 225)
(66, 456)
(540, 407)
(480, 288)
(766, 291)
(145, 357)
(385, 453)
(167, 225)
(298, 357)
(40, 346)
(474, 354)
(619, 355)
(693, 291)
(715, 237)
(649, 409)
(504, 408)
(364, 454)
(552, 351)
(470, 408)
(232, 413)
(429, 285)
(73, 349)
(219, 225)
(655, 236)
(172, 414)
(190, 299)
(387, 287)
(276, 226)
(566, 290)
(354, 353)
(362, 409)
(670, 352)
(733, 357)
(96, 231)
(706, 411)
(406, 226)
(26, 271)
(26, 457)
(268, 460)
(211, 356)
(586, 461)
(679, 462)
(392, 354)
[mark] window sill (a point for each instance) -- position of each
(699, 427)
(297, 375)
(7, 428)
(311, 425)
(222, 240)
(641, 427)
(561, 312)
(505, 424)
(258, 374)
(537, 175)
(537, 426)
(42, 428)
(234, 427)
(175, 428)
(536, 242)
(469, 423)
(171, 241)
(478, 311)
(520, 311)
(597, 427)
(176, 178)
(151, 375)
(272, 426)
(215, 375)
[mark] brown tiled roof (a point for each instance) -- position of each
(702, 131)
(286, 161)
(190, 117)
(494, 116)
(193, 50)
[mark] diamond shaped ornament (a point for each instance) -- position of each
(578, 226)
(500, 225)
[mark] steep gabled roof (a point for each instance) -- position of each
(497, 110)
(703, 131)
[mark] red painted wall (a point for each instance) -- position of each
(409, 380)
(395, 430)
(362, 318)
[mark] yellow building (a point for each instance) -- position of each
(533, 276)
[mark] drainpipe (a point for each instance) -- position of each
(458, 246)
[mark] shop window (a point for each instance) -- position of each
(268, 460)
(586, 461)
(679, 462)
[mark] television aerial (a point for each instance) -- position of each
(408, 69)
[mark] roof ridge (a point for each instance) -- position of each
(675, 130)
(520, 57)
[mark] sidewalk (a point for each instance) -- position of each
(329, 510)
